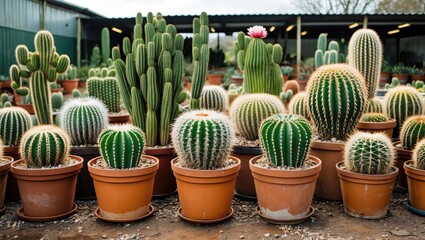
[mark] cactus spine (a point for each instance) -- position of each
(14, 122)
(418, 155)
(214, 98)
(57, 101)
(203, 139)
(374, 105)
(324, 56)
(298, 106)
(412, 131)
(374, 117)
(106, 90)
(285, 139)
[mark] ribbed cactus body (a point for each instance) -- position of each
(374, 105)
(214, 98)
(105, 44)
(365, 54)
(44, 146)
(374, 117)
(44, 45)
(41, 97)
(412, 131)
(248, 111)
(57, 101)
(298, 105)
(106, 90)
(202, 139)
(369, 153)
(336, 98)
(285, 139)
(418, 155)
(14, 122)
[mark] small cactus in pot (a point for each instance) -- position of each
(374, 117)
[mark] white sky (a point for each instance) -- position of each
(129, 8)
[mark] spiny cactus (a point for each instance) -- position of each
(286, 96)
(374, 105)
(412, 131)
(44, 146)
(121, 146)
(83, 119)
(214, 98)
(71, 73)
(402, 102)
(203, 139)
(95, 57)
(285, 139)
(368, 153)
(76, 93)
(105, 89)
(248, 111)
(336, 98)
(106, 45)
(324, 56)
(374, 117)
(57, 101)
(298, 105)
(418, 155)
(14, 122)
(394, 83)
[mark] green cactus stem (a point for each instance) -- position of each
(14, 122)
(412, 131)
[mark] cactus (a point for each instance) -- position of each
(374, 105)
(285, 139)
(106, 45)
(293, 85)
(412, 131)
(106, 90)
(44, 146)
(374, 117)
(368, 153)
(203, 139)
(57, 101)
(121, 146)
(298, 106)
(76, 93)
(402, 102)
(95, 58)
(71, 74)
(83, 119)
(418, 155)
(336, 98)
(329, 55)
(394, 83)
(285, 97)
(14, 122)
(214, 98)
(1, 150)
(248, 111)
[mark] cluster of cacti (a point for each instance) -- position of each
(365, 54)
(285, 139)
(203, 139)
(42, 67)
(368, 153)
(259, 62)
(106, 90)
(71, 73)
(54, 85)
(402, 102)
(233, 92)
(324, 56)
(394, 83)
(248, 111)
(83, 119)
(57, 101)
(418, 155)
(285, 96)
(298, 105)
(374, 105)
(336, 98)
(412, 131)
(374, 117)
(44, 146)
(214, 98)
(14, 122)
(102, 72)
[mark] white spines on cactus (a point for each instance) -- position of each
(374, 105)
(418, 155)
(14, 122)
(297, 105)
(214, 98)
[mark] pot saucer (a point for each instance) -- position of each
(21, 214)
(204, 221)
(2, 210)
(286, 222)
(99, 215)
(389, 213)
(415, 210)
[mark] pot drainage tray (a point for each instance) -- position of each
(22, 215)
(99, 215)
(415, 210)
(204, 221)
(286, 222)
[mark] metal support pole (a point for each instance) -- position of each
(365, 21)
(298, 45)
(78, 44)
(43, 15)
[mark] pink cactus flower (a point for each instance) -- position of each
(257, 32)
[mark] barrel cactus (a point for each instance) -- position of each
(247, 112)
(285, 139)
(374, 117)
(418, 155)
(106, 90)
(203, 139)
(297, 105)
(374, 105)
(14, 122)
(336, 98)
(214, 98)
(412, 131)
(368, 153)
(44, 146)
(57, 101)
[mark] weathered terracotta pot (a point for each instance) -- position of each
(205, 195)
(46, 193)
(384, 78)
(12, 190)
(416, 185)
(215, 78)
(4, 170)
(123, 193)
(285, 195)
(364, 195)
(165, 182)
(373, 127)
(85, 187)
(69, 85)
(28, 107)
(401, 157)
(245, 187)
(119, 119)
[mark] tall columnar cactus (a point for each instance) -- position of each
(368, 153)
(203, 139)
(412, 131)
(83, 119)
(200, 56)
(214, 98)
(365, 54)
(336, 98)
(402, 102)
(285, 139)
(259, 62)
(298, 105)
(14, 122)
(106, 45)
(44, 146)
(150, 80)
(248, 111)
(418, 155)
(105, 89)
(374, 105)
(95, 57)
(121, 146)
(329, 55)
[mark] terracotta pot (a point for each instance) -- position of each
(384, 78)
(237, 80)
(119, 119)
(165, 182)
(302, 84)
(373, 127)
(285, 195)
(46, 193)
(401, 77)
(416, 77)
(215, 79)
(416, 185)
(12, 191)
(245, 187)
(124, 193)
(17, 98)
(401, 157)
(327, 185)
(28, 107)
(364, 195)
(82, 83)
(205, 195)
(56, 90)
(285, 78)
(85, 187)
(69, 85)
(4, 170)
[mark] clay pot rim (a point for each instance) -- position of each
(69, 80)
(6, 166)
(153, 151)
(408, 167)
(123, 173)
(402, 151)
(284, 172)
(197, 173)
(10, 149)
(366, 177)
(330, 146)
(391, 123)
(47, 171)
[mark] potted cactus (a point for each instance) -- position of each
(123, 177)
(298, 106)
(204, 171)
(329, 55)
(417, 74)
(376, 122)
(415, 171)
(70, 81)
(287, 73)
(214, 98)
(367, 175)
(5, 163)
(215, 77)
(385, 76)
(284, 169)
(374, 105)
(400, 72)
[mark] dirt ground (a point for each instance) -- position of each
(328, 222)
